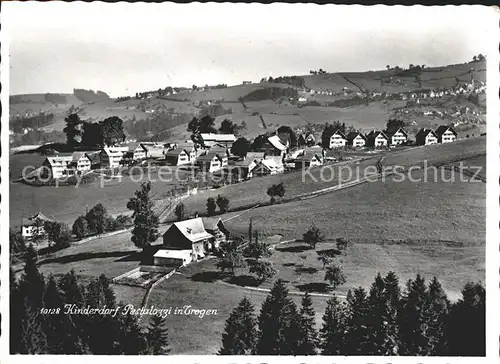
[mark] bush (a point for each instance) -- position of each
(223, 203)
(81, 227)
(335, 276)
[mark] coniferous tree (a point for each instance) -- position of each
(61, 333)
(357, 336)
(466, 328)
(411, 318)
(277, 320)
(157, 336)
(333, 331)
(145, 221)
(437, 310)
(131, 339)
(32, 339)
(240, 331)
(308, 334)
(32, 283)
(71, 291)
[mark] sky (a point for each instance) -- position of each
(123, 48)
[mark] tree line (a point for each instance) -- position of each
(40, 324)
(270, 93)
(90, 96)
(416, 321)
(17, 124)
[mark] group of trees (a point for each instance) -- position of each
(221, 201)
(40, 324)
(157, 124)
(17, 124)
(290, 80)
(419, 321)
(97, 221)
(82, 133)
(90, 96)
(271, 93)
(55, 98)
(478, 58)
(318, 72)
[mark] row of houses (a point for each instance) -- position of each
(377, 139)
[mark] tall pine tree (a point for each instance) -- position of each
(357, 338)
(240, 331)
(308, 334)
(333, 330)
(278, 321)
(157, 336)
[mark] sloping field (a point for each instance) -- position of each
(297, 182)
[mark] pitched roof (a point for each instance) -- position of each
(59, 159)
(210, 222)
(31, 220)
(424, 132)
(208, 157)
(339, 132)
(175, 152)
(389, 135)
(353, 134)
(375, 133)
(276, 142)
(307, 156)
(443, 128)
(192, 229)
(78, 155)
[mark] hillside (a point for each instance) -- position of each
(331, 96)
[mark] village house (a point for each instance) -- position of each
(28, 226)
(337, 140)
(426, 137)
(268, 167)
(56, 167)
(399, 137)
(190, 148)
(209, 139)
(446, 134)
(139, 152)
(308, 159)
(212, 162)
(178, 157)
(243, 169)
(188, 235)
(356, 139)
(112, 156)
(376, 139)
(80, 163)
(273, 146)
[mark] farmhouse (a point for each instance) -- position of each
(337, 140)
(190, 148)
(268, 167)
(28, 224)
(56, 167)
(308, 159)
(112, 156)
(177, 157)
(273, 146)
(399, 137)
(212, 162)
(188, 235)
(356, 139)
(426, 137)
(446, 134)
(376, 139)
(209, 139)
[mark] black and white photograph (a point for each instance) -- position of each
(258, 180)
